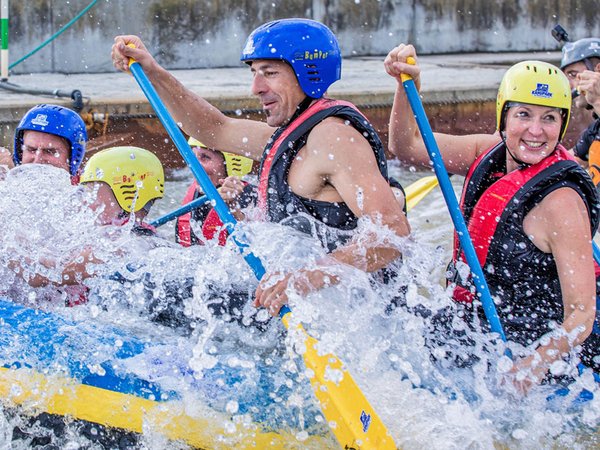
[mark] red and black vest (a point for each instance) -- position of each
(205, 214)
(523, 279)
(275, 197)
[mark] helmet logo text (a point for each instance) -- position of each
(317, 54)
(542, 90)
(365, 419)
(41, 120)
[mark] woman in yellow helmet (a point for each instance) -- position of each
(530, 209)
(128, 181)
(224, 170)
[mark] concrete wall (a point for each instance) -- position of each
(210, 33)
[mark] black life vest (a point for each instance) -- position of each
(275, 197)
(523, 278)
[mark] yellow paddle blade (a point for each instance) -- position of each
(352, 419)
(418, 190)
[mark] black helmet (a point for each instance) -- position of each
(581, 50)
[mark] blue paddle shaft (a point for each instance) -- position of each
(180, 211)
(193, 163)
(453, 207)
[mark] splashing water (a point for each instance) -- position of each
(192, 307)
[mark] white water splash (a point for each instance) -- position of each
(256, 375)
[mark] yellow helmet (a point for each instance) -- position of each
(133, 174)
(534, 83)
(193, 142)
(237, 166)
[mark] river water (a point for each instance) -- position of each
(425, 401)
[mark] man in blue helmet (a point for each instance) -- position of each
(581, 63)
(322, 164)
(51, 134)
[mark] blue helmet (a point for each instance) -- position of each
(57, 120)
(308, 46)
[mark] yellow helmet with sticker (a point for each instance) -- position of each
(534, 83)
(237, 166)
(134, 174)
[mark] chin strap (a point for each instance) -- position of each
(522, 164)
(302, 106)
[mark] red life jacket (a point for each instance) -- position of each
(184, 229)
(210, 223)
(488, 205)
(75, 295)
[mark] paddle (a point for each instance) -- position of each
(418, 190)
(453, 206)
(180, 211)
(415, 192)
(352, 419)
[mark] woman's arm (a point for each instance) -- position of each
(560, 225)
(405, 142)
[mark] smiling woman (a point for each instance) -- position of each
(531, 212)
(531, 133)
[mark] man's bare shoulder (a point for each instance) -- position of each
(335, 134)
(336, 147)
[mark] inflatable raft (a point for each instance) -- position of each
(53, 364)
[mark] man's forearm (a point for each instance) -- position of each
(366, 259)
(188, 109)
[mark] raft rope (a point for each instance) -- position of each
(55, 35)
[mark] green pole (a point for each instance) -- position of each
(4, 39)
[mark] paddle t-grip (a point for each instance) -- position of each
(404, 76)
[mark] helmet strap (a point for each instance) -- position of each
(522, 164)
(148, 205)
(302, 106)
